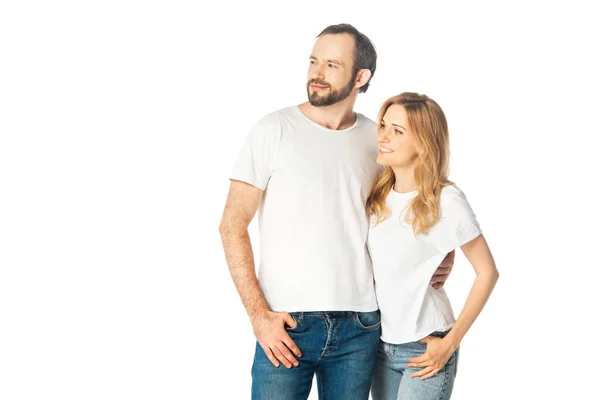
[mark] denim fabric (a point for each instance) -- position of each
(392, 380)
(340, 347)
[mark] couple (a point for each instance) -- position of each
(348, 249)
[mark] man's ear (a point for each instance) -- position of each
(362, 78)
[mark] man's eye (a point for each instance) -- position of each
(332, 66)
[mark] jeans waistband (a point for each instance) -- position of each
(332, 314)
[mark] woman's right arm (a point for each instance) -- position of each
(439, 350)
(479, 255)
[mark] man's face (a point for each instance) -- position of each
(330, 78)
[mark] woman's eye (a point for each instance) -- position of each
(398, 132)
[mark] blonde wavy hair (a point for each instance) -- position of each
(428, 124)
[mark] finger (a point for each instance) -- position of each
(270, 355)
(289, 321)
(442, 271)
(421, 364)
(444, 267)
(418, 360)
(287, 340)
(439, 278)
(437, 285)
(426, 339)
(287, 354)
(435, 279)
(281, 357)
(422, 372)
(432, 373)
(449, 259)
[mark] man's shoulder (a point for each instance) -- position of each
(280, 113)
(273, 119)
(366, 121)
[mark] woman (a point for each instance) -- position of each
(417, 217)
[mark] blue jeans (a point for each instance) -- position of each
(340, 347)
(392, 380)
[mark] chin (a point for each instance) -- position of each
(381, 162)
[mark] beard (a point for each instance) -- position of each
(334, 96)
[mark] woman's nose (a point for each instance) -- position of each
(382, 136)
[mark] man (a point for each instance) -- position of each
(309, 169)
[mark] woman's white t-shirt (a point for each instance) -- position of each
(403, 265)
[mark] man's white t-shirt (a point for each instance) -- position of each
(312, 220)
(403, 265)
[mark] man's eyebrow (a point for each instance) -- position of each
(329, 61)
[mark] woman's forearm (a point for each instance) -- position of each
(479, 255)
(478, 296)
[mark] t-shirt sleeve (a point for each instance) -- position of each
(458, 224)
(254, 162)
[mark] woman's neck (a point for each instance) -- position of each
(405, 179)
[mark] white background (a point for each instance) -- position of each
(119, 124)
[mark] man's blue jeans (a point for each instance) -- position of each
(340, 347)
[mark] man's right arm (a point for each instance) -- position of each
(269, 327)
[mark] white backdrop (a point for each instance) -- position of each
(119, 124)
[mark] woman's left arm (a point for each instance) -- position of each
(439, 350)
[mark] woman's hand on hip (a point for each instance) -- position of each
(433, 360)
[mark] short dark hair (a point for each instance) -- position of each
(365, 56)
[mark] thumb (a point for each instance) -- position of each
(289, 320)
(426, 339)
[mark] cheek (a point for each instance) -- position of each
(412, 152)
(337, 78)
(409, 148)
(405, 150)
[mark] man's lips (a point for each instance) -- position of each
(318, 87)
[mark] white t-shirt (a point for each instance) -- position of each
(403, 265)
(312, 220)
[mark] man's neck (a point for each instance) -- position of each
(337, 116)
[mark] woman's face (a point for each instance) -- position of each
(397, 147)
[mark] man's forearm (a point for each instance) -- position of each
(240, 258)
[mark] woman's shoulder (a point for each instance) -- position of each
(453, 198)
(450, 192)
(454, 203)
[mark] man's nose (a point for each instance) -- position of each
(318, 72)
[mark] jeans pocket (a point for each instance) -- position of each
(368, 320)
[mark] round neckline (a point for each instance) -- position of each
(403, 194)
(350, 128)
